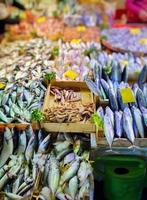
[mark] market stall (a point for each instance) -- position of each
(73, 88)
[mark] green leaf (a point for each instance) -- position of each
(55, 51)
(137, 72)
(50, 76)
(104, 37)
(55, 13)
(108, 69)
(97, 120)
(90, 50)
(37, 115)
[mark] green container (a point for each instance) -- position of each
(124, 176)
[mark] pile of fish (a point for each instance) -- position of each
(65, 95)
(126, 119)
(69, 112)
(133, 63)
(72, 57)
(66, 173)
(31, 60)
(106, 81)
(133, 40)
(18, 100)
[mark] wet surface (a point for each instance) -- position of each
(99, 195)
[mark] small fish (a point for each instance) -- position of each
(30, 149)
(138, 120)
(113, 101)
(109, 113)
(142, 77)
(70, 173)
(128, 125)
(118, 123)
(44, 145)
(141, 99)
(8, 147)
(73, 186)
(108, 130)
(54, 175)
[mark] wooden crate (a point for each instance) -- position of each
(18, 126)
(87, 97)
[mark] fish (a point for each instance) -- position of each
(128, 125)
(54, 175)
(140, 99)
(108, 130)
(71, 172)
(138, 118)
(118, 123)
(44, 144)
(22, 143)
(30, 149)
(110, 113)
(144, 114)
(105, 86)
(100, 112)
(8, 147)
(73, 187)
(92, 86)
(125, 74)
(113, 101)
(142, 78)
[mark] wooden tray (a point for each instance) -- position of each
(87, 97)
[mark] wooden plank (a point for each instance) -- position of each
(69, 127)
(18, 126)
(122, 142)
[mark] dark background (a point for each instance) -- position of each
(99, 195)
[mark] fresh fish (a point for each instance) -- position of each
(46, 193)
(30, 149)
(100, 112)
(70, 173)
(105, 86)
(109, 113)
(3, 117)
(73, 186)
(7, 149)
(22, 142)
(44, 145)
(113, 101)
(141, 99)
(54, 175)
(142, 77)
(125, 74)
(144, 114)
(60, 146)
(92, 86)
(118, 123)
(69, 158)
(84, 190)
(128, 125)
(138, 120)
(108, 130)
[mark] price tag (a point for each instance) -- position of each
(71, 74)
(76, 41)
(124, 62)
(135, 31)
(127, 95)
(2, 85)
(41, 20)
(143, 41)
(81, 28)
